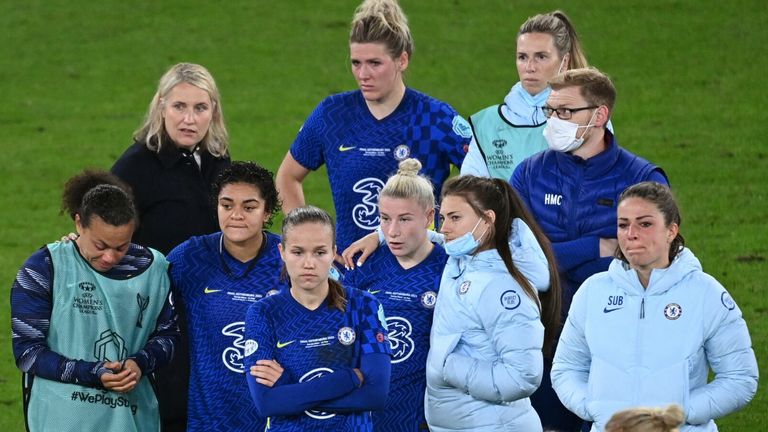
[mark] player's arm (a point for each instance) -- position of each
(375, 369)
(287, 399)
(288, 181)
(31, 309)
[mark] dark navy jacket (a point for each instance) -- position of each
(574, 201)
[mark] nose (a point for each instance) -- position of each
(361, 72)
(109, 257)
(189, 116)
(309, 263)
(631, 232)
(529, 65)
(237, 213)
(392, 230)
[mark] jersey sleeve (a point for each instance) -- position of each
(286, 398)
(373, 327)
(31, 309)
(512, 324)
(730, 355)
(307, 148)
(457, 135)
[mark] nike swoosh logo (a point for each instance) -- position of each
(343, 148)
(284, 344)
(374, 292)
(209, 291)
(606, 310)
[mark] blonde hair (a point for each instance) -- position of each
(558, 25)
(647, 420)
(153, 133)
(409, 184)
(382, 21)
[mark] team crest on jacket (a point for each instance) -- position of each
(402, 152)
(346, 335)
(428, 299)
(510, 299)
(464, 287)
(727, 301)
(673, 311)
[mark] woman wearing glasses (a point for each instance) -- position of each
(507, 133)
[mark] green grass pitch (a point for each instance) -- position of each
(77, 77)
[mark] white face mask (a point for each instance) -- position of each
(465, 244)
(561, 134)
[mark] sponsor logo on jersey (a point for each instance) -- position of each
(461, 127)
(727, 301)
(284, 344)
(309, 376)
(374, 292)
(210, 291)
(251, 346)
(142, 302)
(346, 335)
(672, 311)
(400, 341)
(232, 356)
(110, 346)
(428, 299)
(272, 292)
(614, 303)
(343, 148)
(464, 287)
(402, 152)
(87, 286)
(510, 299)
(366, 213)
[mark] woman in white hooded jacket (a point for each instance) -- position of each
(647, 331)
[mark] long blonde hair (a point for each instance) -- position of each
(153, 133)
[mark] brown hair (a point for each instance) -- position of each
(312, 214)
(558, 25)
(647, 420)
(382, 21)
(99, 193)
(483, 194)
(660, 196)
(594, 86)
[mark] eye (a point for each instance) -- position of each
(405, 219)
(541, 56)
(385, 218)
(355, 63)
(622, 225)
(201, 108)
(225, 206)
(521, 57)
(645, 224)
(178, 106)
(100, 247)
(250, 208)
(455, 218)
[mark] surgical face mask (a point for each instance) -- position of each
(465, 244)
(561, 134)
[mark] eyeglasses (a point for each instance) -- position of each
(564, 113)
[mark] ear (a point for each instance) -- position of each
(674, 229)
(78, 224)
(566, 62)
(402, 61)
(282, 251)
(430, 216)
(602, 116)
(490, 216)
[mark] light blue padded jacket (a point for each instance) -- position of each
(485, 355)
(624, 346)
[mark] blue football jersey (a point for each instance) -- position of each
(408, 297)
(312, 343)
(361, 152)
(217, 290)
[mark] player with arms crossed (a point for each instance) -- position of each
(331, 340)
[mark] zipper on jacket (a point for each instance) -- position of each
(642, 308)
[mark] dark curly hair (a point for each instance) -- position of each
(99, 193)
(252, 174)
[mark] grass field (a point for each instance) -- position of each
(77, 77)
